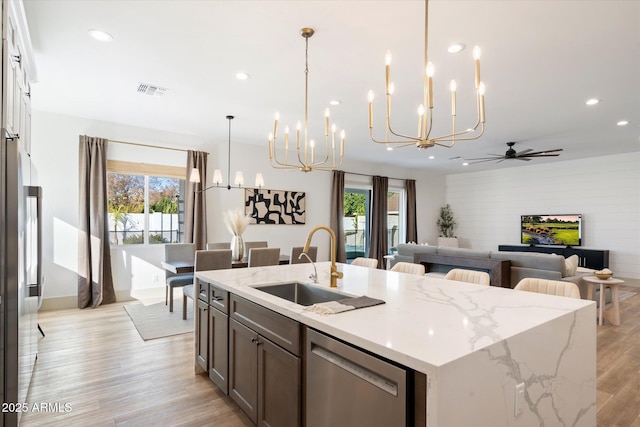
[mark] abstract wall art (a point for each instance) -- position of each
(274, 206)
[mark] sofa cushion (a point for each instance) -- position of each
(570, 265)
(533, 260)
(474, 253)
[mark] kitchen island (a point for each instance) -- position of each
(476, 344)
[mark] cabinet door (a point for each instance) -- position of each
(279, 395)
(202, 318)
(243, 368)
(218, 348)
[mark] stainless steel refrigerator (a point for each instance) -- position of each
(20, 273)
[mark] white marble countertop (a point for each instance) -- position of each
(425, 323)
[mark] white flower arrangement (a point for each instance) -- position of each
(236, 221)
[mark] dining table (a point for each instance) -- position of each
(181, 267)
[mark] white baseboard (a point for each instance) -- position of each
(67, 302)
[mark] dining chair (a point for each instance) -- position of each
(260, 257)
(297, 250)
(469, 276)
(215, 259)
(218, 245)
(249, 245)
(365, 262)
(550, 287)
(177, 252)
(408, 267)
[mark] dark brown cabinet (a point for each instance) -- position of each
(218, 348)
(264, 378)
(202, 347)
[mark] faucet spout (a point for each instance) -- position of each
(335, 274)
(313, 276)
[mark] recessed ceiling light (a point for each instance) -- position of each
(455, 47)
(465, 164)
(623, 123)
(432, 157)
(242, 76)
(592, 101)
(389, 148)
(334, 102)
(100, 35)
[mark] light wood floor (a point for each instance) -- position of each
(96, 361)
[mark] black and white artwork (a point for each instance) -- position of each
(274, 206)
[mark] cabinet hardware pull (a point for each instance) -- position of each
(16, 58)
(218, 298)
(254, 340)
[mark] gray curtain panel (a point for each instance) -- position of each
(337, 212)
(412, 219)
(379, 239)
(95, 282)
(195, 206)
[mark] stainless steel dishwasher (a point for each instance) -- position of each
(348, 387)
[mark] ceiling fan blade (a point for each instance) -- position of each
(487, 158)
(520, 153)
(522, 158)
(481, 160)
(542, 155)
(545, 152)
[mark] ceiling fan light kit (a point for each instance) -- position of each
(424, 138)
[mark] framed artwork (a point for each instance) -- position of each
(274, 206)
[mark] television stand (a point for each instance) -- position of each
(589, 258)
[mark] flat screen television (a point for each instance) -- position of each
(564, 230)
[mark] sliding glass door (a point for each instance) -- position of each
(357, 220)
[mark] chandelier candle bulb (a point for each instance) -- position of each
(342, 135)
(370, 98)
(312, 144)
(286, 138)
(420, 117)
(326, 122)
(298, 134)
(333, 138)
(275, 126)
(476, 57)
(453, 87)
(387, 68)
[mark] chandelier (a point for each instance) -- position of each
(424, 138)
(305, 158)
(217, 175)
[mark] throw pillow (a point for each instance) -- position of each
(570, 265)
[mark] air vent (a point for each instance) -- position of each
(151, 90)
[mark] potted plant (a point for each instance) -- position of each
(446, 225)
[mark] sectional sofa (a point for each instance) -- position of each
(523, 264)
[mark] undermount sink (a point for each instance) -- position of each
(301, 293)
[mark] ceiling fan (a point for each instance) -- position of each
(511, 153)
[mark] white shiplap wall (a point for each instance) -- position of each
(605, 190)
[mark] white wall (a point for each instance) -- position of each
(137, 268)
(605, 190)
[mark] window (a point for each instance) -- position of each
(144, 209)
(357, 220)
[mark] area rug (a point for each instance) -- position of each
(155, 321)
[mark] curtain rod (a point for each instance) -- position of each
(364, 174)
(149, 146)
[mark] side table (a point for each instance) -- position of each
(614, 317)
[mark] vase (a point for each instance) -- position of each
(237, 248)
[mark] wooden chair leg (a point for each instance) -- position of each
(166, 294)
(170, 299)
